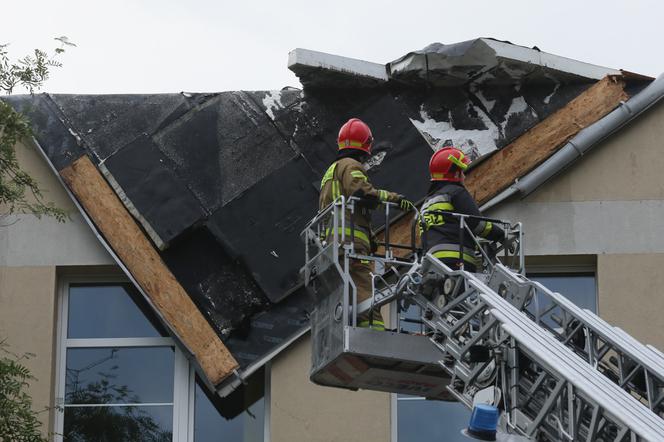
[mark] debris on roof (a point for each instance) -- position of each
(490, 62)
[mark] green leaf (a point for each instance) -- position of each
(19, 192)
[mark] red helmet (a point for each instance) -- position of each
(448, 164)
(355, 134)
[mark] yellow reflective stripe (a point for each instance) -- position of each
(436, 219)
(358, 234)
(329, 174)
(383, 195)
(458, 162)
(440, 206)
(487, 229)
(454, 254)
(358, 174)
(438, 175)
(377, 325)
(349, 143)
(335, 190)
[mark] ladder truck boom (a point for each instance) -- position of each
(557, 372)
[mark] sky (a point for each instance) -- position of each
(155, 46)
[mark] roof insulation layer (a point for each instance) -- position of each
(223, 183)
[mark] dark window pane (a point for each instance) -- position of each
(580, 289)
(119, 424)
(210, 426)
(107, 311)
(119, 375)
(421, 420)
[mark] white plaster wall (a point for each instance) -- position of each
(28, 241)
(31, 250)
(588, 227)
(611, 201)
(304, 412)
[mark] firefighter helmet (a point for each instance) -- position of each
(355, 134)
(448, 164)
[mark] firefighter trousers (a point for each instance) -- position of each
(360, 271)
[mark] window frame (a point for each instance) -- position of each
(182, 370)
(184, 375)
(567, 270)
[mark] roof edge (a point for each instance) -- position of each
(546, 59)
(586, 139)
(340, 71)
(180, 340)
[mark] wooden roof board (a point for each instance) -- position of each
(146, 266)
(515, 160)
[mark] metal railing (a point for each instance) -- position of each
(332, 232)
(510, 247)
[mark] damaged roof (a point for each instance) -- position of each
(223, 183)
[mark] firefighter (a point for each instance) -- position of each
(447, 193)
(347, 176)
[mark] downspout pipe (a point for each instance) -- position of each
(584, 141)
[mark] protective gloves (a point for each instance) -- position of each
(405, 204)
(510, 244)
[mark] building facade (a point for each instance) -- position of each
(107, 357)
(599, 219)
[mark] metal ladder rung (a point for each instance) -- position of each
(572, 368)
(550, 343)
(616, 336)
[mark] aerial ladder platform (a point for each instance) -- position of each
(555, 371)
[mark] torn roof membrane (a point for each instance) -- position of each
(223, 183)
(477, 95)
(489, 62)
(483, 60)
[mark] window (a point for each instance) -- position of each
(122, 378)
(240, 417)
(419, 419)
(578, 287)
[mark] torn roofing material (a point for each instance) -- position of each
(585, 140)
(478, 95)
(480, 61)
(223, 183)
(490, 62)
(228, 212)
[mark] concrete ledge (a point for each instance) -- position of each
(318, 69)
(587, 227)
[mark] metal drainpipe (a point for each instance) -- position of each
(584, 141)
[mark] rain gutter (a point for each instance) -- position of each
(583, 142)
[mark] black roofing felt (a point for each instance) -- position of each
(157, 191)
(227, 181)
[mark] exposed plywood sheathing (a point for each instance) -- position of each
(536, 145)
(540, 142)
(146, 266)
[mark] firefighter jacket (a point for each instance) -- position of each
(442, 231)
(347, 177)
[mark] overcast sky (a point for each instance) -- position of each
(203, 45)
